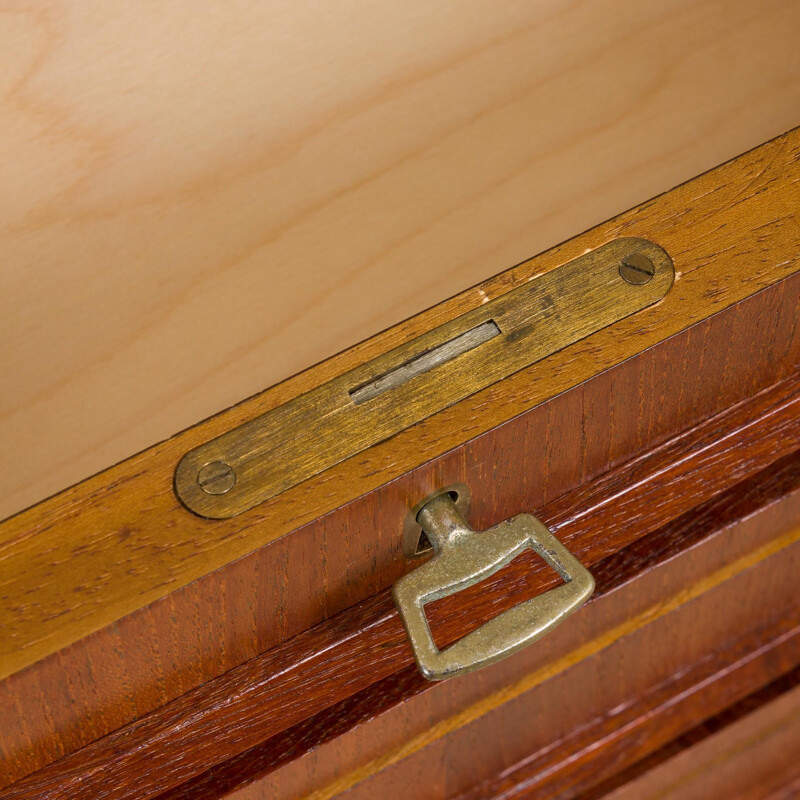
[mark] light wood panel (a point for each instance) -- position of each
(197, 200)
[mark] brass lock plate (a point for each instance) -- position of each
(319, 429)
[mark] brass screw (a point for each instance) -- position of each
(637, 269)
(216, 477)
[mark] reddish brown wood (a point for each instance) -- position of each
(710, 727)
(789, 791)
(150, 657)
(611, 573)
(562, 720)
(324, 666)
(570, 767)
(749, 757)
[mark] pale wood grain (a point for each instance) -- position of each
(197, 200)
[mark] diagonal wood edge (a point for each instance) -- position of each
(116, 542)
(539, 676)
(251, 699)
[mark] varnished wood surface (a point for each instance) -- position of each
(320, 743)
(714, 725)
(242, 708)
(195, 202)
(120, 541)
(402, 715)
(99, 701)
(568, 767)
(257, 602)
(752, 758)
(719, 678)
(586, 695)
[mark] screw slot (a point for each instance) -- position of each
(216, 477)
(637, 269)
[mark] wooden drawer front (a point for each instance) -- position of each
(659, 649)
(607, 711)
(686, 494)
(748, 752)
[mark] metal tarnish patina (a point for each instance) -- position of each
(216, 478)
(464, 557)
(376, 400)
(414, 536)
(637, 269)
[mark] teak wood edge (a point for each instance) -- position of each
(120, 540)
(709, 528)
(325, 666)
(454, 735)
(732, 713)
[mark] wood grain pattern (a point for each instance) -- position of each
(569, 767)
(720, 722)
(161, 652)
(257, 602)
(447, 765)
(167, 167)
(120, 541)
(405, 730)
(319, 742)
(221, 718)
(74, 564)
(753, 758)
